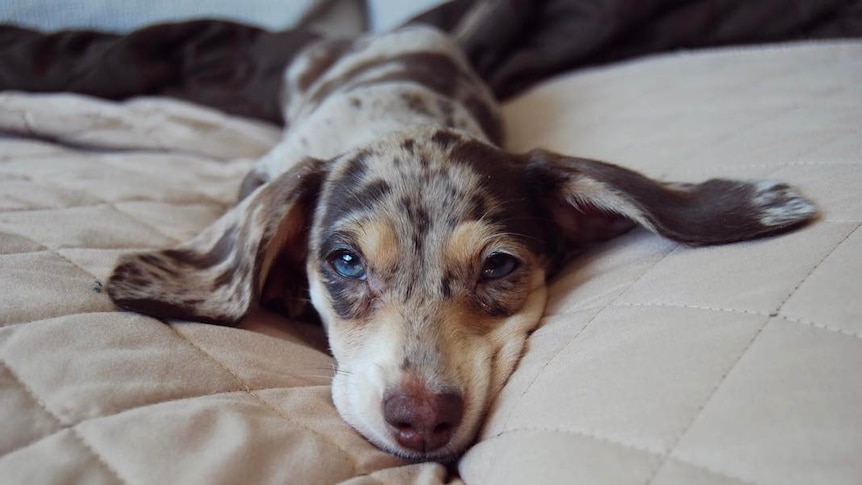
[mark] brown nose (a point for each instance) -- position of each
(421, 420)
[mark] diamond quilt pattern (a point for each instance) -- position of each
(655, 363)
(662, 364)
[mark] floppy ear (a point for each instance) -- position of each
(220, 275)
(592, 201)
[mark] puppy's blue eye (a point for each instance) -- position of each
(498, 265)
(347, 264)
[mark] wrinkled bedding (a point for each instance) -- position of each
(518, 43)
(512, 44)
(655, 363)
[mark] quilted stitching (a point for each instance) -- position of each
(776, 312)
(662, 374)
(655, 363)
(60, 426)
(67, 213)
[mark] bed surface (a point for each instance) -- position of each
(655, 363)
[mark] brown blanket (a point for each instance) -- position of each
(514, 44)
(518, 43)
(233, 67)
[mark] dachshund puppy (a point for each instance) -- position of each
(425, 249)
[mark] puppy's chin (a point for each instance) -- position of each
(356, 393)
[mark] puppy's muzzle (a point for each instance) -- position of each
(422, 420)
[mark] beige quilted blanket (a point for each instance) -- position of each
(655, 364)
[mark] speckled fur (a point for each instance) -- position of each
(341, 96)
(391, 152)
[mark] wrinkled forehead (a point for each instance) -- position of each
(424, 186)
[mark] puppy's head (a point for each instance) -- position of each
(426, 258)
(427, 265)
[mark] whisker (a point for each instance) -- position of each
(316, 376)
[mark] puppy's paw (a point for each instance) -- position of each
(780, 205)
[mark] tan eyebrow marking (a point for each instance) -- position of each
(379, 244)
(467, 240)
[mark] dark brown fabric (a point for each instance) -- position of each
(517, 43)
(513, 44)
(229, 66)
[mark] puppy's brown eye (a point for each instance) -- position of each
(347, 264)
(498, 265)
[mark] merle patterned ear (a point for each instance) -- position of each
(592, 200)
(220, 275)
